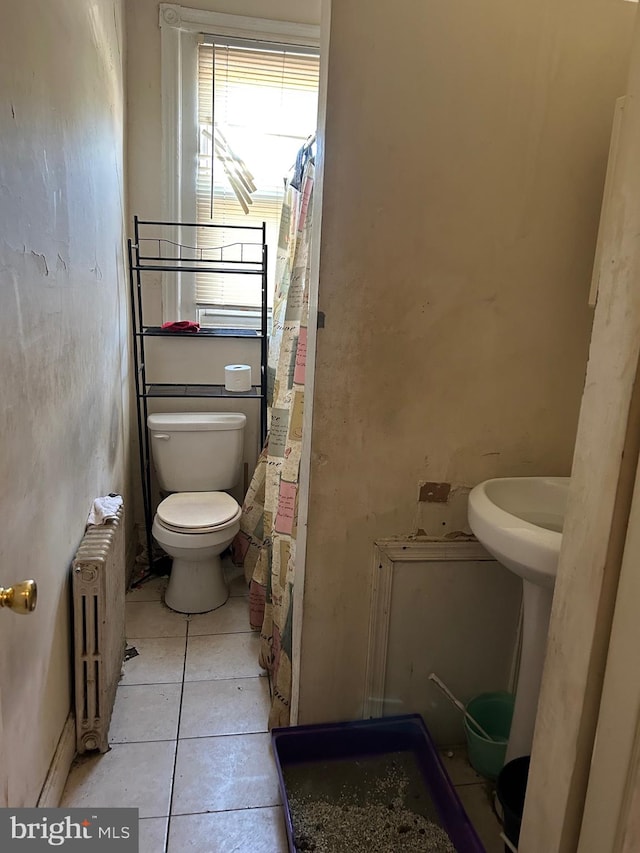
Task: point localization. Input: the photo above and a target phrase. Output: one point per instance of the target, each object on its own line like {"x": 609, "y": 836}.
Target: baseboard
{"x": 53, "y": 787}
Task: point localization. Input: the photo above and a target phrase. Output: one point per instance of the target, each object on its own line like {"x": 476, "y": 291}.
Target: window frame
{"x": 181, "y": 29}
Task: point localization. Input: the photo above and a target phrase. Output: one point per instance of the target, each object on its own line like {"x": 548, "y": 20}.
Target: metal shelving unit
{"x": 160, "y": 254}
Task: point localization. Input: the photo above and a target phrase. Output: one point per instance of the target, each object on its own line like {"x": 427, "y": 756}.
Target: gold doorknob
{"x": 21, "y": 597}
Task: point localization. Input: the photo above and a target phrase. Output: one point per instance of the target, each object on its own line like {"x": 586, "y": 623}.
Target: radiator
{"x": 99, "y": 634}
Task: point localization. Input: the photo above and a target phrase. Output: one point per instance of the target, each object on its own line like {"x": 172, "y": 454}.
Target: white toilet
{"x": 196, "y": 456}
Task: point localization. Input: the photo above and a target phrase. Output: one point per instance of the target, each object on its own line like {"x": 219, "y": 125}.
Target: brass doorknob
{"x": 21, "y": 597}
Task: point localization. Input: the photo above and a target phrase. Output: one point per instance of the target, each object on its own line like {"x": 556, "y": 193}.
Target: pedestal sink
{"x": 519, "y": 521}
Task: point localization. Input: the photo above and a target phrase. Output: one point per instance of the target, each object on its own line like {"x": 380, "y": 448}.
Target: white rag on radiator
{"x": 104, "y": 509}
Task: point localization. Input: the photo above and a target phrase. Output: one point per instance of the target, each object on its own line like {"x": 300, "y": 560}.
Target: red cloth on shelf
{"x": 181, "y": 326}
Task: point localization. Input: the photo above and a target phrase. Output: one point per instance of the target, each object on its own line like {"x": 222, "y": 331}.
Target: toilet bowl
{"x": 180, "y": 527}
{"x": 196, "y": 456}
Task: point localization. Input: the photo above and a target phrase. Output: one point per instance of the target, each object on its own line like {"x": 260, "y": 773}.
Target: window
{"x": 237, "y": 106}
{"x": 256, "y": 106}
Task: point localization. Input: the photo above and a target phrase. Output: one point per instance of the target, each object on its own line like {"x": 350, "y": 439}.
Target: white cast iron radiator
{"x": 99, "y": 638}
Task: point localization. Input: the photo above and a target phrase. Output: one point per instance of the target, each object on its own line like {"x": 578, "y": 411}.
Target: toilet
{"x": 197, "y": 456}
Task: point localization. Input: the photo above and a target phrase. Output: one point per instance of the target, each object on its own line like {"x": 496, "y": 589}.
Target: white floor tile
{"x": 151, "y": 590}
{"x": 247, "y": 831}
{"x": 235, "y": 578}
{"x": 145, "y": 712}
{"x": 232, "y": 617}
{"x": 225, "y": 797}
{"x": 153, "y": 619}
{"x": 457, "y": 766}
{"x": 137, "y": 775}
{"x": 223, "y": 707}
{"x": 153, "y": 834}
{"x": 476, "y": 800}
{"x": 222, "y": 656}
{"x": 160, "y": 660}
{"x": 238, "y": 586}
{"x": 221, "y": 773}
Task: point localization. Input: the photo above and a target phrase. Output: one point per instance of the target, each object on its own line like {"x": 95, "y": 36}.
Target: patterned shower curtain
{"x": 266, "y": 544}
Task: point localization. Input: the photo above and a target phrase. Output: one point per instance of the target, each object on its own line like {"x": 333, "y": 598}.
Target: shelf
{"x": 157, "y": 331}
{"x": 166, "y": 389}
{"x": 152, "y": 250}
{"x": 175, "y": 266}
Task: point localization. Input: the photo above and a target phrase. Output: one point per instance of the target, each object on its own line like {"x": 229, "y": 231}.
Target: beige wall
{"x": 176, "y": 361}
{"x": 466, "y": 148}
{"x": 63, "y": 340}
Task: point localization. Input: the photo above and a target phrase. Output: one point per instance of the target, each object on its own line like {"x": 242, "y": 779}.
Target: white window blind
{"x": 256, "y": 107}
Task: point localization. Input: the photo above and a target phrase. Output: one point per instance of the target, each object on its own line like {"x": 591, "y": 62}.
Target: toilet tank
{"x": 197, "y": 451}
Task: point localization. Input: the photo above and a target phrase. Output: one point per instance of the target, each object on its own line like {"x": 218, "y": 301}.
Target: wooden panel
{"x": 612, "y": 807}
{"x": 603, "y": 262}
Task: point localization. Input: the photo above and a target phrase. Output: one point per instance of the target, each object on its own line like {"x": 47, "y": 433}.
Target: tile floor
{"x": 189, "y": 741}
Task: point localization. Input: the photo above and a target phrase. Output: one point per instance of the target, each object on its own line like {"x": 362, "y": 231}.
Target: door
{"x": 20, "y": 598}
{"x": 4, "y": 779}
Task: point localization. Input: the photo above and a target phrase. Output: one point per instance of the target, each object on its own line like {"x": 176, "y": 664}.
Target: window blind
{"x": 256, "y": 107}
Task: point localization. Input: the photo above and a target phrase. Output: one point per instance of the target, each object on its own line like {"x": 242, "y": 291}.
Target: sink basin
{"x": 519, "y": 521}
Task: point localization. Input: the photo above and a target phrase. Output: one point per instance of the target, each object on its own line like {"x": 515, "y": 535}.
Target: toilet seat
{"x": 197, "y": 512}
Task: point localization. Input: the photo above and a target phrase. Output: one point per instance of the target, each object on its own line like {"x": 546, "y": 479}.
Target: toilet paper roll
{"x": 237, "y": 377}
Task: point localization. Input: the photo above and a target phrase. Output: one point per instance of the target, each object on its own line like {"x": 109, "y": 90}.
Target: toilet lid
{"x": 197, "y": 510}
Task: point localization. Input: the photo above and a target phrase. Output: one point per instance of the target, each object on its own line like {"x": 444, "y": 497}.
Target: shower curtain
{"x": 266, "y": 544}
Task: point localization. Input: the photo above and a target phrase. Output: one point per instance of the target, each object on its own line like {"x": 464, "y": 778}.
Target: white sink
{"x": 519, "y": 521}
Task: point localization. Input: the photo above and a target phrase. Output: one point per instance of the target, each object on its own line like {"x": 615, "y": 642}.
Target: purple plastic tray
{"x": 365, "y": 738}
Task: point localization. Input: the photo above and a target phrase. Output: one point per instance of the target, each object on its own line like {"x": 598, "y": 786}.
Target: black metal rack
{"x": 172, "y": 256}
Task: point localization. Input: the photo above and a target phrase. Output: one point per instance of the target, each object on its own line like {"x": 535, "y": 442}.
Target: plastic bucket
{"x": 511, "y": 790}
{"x": 494, "y": 712}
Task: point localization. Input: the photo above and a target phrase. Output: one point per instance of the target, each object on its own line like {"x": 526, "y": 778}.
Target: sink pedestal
{"x": 536, "y": 606}
{"x": 519, "y": 521}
